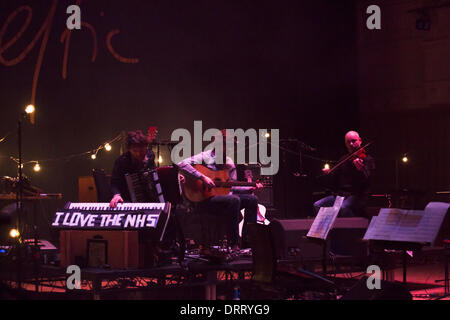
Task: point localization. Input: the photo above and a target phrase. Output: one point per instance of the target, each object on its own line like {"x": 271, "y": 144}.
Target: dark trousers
{"x": 230, "y": 207}
{"x": 353, "y": 205}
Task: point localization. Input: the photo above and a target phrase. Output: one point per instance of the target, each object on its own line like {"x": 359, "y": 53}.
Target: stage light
{"x": 326, "y": 166}
{"x": 37, "y": 167}
{"x": 405, "y": 159}
{"x": 13, "y": 233}
{"x": 29, "y": 109}
{"x": 93, "y": 156}
{"x": 108, "y": 147}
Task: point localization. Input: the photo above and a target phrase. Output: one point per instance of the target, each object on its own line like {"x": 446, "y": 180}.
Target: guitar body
{"x": 195, "y": 190}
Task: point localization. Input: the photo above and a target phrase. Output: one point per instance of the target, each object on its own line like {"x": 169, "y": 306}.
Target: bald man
{"x": 351, "y": 180}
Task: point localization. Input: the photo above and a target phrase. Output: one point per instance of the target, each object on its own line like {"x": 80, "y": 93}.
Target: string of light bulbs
{"x": 93, "y": 154}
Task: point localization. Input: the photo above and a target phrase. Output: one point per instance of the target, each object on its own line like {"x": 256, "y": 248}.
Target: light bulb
{"x": 29, "y": 109}
{"x": 37, "y": 167}
{"x": 108, "y": 147}
{"x": 13, "y": 233}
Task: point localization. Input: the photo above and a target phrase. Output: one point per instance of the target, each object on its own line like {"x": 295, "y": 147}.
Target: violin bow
{"x": 349, "y": 156}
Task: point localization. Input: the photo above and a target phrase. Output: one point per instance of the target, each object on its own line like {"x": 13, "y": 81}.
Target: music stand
{"x": 406, "y": 230}
{"x": 321, "y": 226}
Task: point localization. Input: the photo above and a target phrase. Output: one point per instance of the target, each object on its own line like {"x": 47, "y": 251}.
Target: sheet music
{"x": 435, "y": 215}
{"x": 324, "y": 220}
{"x": 419, "y": 226}
{"x": 338, "y": 203}
{"x": 408, "y": 227}
{"x": 381, "y": 227}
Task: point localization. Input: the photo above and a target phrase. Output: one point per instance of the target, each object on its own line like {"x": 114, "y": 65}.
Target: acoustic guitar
{"x": 195, "y": 189}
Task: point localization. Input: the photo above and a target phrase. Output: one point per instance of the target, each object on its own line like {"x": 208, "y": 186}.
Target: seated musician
{"x": 139, "y": 156}
{"x": 230, "y": 204}
{"x": 351, "y": 180}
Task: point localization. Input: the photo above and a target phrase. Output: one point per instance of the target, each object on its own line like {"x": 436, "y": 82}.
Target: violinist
{"x": 350, "y": 178}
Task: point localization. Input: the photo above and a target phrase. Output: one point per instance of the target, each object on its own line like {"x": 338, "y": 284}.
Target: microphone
{"x": 302, "y": 145}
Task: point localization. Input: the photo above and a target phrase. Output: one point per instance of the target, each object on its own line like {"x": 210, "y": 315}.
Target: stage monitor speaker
{"x": 388, "y": 291}
{"x": 290, "y": 242}
{"x": 345, "y": 238}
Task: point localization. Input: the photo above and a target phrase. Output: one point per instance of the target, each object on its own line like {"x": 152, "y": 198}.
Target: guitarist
{"x": 231, "y": 204}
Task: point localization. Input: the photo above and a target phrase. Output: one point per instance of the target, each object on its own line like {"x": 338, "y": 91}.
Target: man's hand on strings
{"x": 208, "y": 182}
{"x": 359, "y": 164}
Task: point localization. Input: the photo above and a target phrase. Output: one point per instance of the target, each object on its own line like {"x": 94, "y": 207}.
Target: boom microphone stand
{"x": 21, "y": 245}
{"x": 19, "y": 199}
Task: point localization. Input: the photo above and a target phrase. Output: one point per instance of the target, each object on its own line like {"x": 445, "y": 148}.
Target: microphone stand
{"x": 19, "y": 204}
{"x": 22, "y": 249}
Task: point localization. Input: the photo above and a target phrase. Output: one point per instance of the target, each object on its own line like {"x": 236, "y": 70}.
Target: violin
{"x": 358, "y": 154}
{"x": 361, "y": 154}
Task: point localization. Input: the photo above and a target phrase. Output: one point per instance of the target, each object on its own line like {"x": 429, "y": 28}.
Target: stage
{"x": 203, "y": 280}
{"x": 305, "y": 141}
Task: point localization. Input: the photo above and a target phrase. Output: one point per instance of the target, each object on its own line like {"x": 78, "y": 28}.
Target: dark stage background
{"x": 289, "y": 65}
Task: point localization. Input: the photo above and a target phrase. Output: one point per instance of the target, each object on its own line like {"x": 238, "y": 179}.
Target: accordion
{"x": 144, "y": 186}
